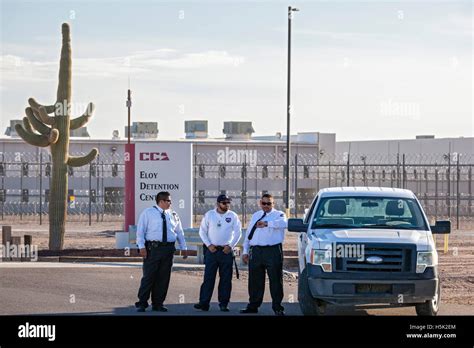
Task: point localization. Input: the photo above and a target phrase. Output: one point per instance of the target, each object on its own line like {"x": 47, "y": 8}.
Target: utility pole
{"x": 288, "y": 112}
{"x": 129, "y": 106}
{"x": 129, "y": 170}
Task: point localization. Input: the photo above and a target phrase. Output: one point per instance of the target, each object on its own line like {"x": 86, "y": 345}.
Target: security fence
{"x": 442, "y": 183}
{"x": 95, "y": 191}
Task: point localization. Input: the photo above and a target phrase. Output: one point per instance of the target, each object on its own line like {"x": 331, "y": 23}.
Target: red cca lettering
{"x": 154, "y": 156}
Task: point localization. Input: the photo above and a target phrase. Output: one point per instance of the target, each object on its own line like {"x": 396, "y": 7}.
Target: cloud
{"x": 337, "y": 35}
{"x": 19, "y": 68}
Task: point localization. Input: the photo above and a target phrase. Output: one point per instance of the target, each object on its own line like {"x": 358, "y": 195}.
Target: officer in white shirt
{"x": 263, "y": 252}
{"x": 220, "y": 232}
{"x": 157, "y": 231}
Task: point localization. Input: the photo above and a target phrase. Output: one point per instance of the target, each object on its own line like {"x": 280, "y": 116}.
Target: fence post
{"x": 103, "y": 192}
{"x": 21, "y": 188}
{"x": 348, "y": 169}
{"x": 364, "y": 171}
{"x": 426, "y": 182}
{"x": 329, "y": 173}
{"x": 256, "y": 181}
{"x": 41, "y": 188}
{"x": 317, "y": 172}
{"x": 449, "y": 184}
{"x": 436, "y": 193}
{"x": 247, "y": 168}
{"x": 243, "y": 193}
{"x": 404, "y": 173}
{"x": 90, "y": 195}
{"x": 3, "y": 183}
{"x": 398, "y": 170}
{"x": 194, "y": 188}
{"x": 295, "y": 214}
{"x": 469, "y": 183}
{"x": 97, "y": 193}
{"x": 458, "y": 174}
{"x": 50, "y": 178}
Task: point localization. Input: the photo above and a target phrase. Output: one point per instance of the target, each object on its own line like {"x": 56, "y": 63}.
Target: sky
{"x": 362, "y": 70}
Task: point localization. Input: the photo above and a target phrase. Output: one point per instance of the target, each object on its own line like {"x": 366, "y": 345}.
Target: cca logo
{"x": 154, "y": 156}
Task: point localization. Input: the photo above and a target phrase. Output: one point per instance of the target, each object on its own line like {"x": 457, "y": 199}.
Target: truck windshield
{"x": 369, "y": 212}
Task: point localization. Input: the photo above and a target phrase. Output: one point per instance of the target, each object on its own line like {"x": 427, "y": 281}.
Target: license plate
{"x": 374, "y": 288}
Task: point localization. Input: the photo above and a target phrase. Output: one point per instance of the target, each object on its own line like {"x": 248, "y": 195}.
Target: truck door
{"x": 303, "y": 237}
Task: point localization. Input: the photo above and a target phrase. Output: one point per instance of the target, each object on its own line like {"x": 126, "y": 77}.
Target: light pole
{"x": 288, "y": 112}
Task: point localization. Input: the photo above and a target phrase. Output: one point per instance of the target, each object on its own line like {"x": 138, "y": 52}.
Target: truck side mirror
{"x": 297, "y": 225}
{"x": 441, "y": 227}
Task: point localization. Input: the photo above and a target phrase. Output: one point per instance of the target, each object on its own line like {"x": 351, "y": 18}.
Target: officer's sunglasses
{"x": 167, "y": 200}
{"x": 267, "y": 203}
{"x": 226, "y": 203}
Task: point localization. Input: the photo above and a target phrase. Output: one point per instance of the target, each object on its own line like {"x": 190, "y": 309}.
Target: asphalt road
{"x": 110, "y": 289}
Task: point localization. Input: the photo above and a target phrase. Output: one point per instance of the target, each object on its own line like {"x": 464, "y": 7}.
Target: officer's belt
{"x": 156, "y": 243}
{"x": 265, "y": 246}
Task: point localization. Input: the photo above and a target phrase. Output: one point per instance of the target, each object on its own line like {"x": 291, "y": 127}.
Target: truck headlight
{"x": 322, "y": 258}
{"x": 426, "y": 259}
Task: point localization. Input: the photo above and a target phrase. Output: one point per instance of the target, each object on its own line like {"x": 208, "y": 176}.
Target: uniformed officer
{"x": 263, "y": 252}
{"x": 157, "y": 230}
{"x": 220, "y": 232}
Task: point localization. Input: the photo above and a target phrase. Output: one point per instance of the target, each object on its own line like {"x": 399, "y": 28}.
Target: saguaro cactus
{"x": 42, "y": 129}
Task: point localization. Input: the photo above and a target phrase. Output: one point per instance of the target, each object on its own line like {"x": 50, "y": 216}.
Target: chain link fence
{"x": 95, "y": 191}
{"x": 442, "y": 183}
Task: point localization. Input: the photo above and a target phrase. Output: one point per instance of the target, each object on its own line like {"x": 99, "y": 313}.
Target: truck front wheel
{"x": 431, "y": 307}
{"x": 308, "y": 304}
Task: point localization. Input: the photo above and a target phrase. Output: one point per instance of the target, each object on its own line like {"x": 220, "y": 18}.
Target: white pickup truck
{"x": 370, "y": 246}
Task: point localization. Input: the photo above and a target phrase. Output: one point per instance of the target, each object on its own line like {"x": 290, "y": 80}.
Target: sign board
{"x": 164, "y": 166}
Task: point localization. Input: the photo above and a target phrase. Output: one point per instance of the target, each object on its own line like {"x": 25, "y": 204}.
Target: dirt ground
{"x": 456, "y": 266}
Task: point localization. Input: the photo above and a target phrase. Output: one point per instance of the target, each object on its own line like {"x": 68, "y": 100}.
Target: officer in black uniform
{"x": 264, "y": 253}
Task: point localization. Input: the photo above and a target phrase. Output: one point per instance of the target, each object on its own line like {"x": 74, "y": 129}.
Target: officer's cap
{"x": 223, "y": 198}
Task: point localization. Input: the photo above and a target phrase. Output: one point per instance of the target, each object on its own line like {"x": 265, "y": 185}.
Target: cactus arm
{"x": 27, "y": 126}
{"x": 31, "y": 138}
{"x": 35, "y": 105}
{"x": 79, "y": 161}
{"x": 53, "y": 136}
{"x": 44, "y": 117}
{"x": 81, "y": 121}
{"x": 35, "y": 123}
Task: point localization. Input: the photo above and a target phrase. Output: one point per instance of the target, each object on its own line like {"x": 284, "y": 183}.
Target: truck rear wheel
{"x": 431, "y": 307}
{"x": 308, "y": 304}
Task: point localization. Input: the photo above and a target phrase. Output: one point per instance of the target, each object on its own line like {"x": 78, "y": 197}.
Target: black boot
{"x": 201, "y": 307}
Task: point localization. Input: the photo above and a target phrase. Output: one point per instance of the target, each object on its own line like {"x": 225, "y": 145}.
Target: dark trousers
{"x": 267, "y": 259}
{"x": 214, "y": 262}
{"x": 156, "y": 275}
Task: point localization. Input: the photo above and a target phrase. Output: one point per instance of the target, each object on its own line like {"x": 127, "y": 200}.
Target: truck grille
{"x": 395, "y": 258}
